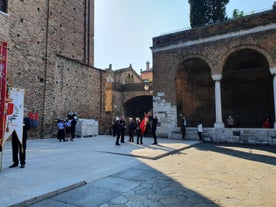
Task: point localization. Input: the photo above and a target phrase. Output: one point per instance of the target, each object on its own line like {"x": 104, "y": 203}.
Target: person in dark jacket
{"x": 138, "y": 131}
{"x": 153, "y": 128}
{"x": 114, "y": 127}
{"x": 131, "y": 129}
{"x": 20, "y": 147}
{"x": 118, "y": 130}
{"x": 73, "y": 127}
{"x": 123, "y": 129}
{"x": 183, "y": 127}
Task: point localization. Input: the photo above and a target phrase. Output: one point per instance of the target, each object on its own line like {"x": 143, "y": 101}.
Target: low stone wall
{"x": 232, "y": 135}
{"x": 241, "y": 135}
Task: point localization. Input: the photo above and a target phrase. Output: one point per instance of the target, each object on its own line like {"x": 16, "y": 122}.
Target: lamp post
{"x": 146, "y": 86}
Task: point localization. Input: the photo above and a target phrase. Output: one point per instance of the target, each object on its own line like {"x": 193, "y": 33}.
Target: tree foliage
{"x": 204, "y": 12}
{"x": 237, "y": 14}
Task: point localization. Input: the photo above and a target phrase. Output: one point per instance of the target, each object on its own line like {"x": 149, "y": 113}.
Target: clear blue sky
{"x": 124, "y": 28}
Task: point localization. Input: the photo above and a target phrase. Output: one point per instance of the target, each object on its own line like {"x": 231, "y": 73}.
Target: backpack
{"x": 27, "y": 123}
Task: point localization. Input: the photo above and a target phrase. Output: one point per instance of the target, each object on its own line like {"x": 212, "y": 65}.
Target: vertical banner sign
{"x": 3, "y": 88}
{"x": 14, "y": 113}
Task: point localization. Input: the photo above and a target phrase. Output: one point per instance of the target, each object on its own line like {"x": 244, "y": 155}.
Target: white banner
{"x": 14, "y": 121}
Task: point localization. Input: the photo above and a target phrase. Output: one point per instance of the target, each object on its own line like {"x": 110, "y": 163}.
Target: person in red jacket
{"x": 266, "y": 123}
{"x": 143, "y": 124}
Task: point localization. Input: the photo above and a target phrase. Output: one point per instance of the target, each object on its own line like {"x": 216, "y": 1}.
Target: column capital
{"x": 272, "y": 71}
{"x": 216, "y": 77}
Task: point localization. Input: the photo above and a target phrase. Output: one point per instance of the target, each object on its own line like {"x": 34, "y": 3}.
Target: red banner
{"x": 3, "y": 86}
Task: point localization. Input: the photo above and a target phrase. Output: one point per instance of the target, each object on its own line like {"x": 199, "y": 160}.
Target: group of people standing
{"x": 66, "y": 128}
{"x": 119, "y": 127}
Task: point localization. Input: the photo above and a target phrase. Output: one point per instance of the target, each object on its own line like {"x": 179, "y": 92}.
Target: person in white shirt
{"x": 199, "y": 129}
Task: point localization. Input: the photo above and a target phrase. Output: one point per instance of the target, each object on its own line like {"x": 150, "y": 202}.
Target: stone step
{"x": 191, "y": 133}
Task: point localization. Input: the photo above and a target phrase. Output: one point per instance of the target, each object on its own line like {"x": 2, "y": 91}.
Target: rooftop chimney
{"x": 147, "y": 65}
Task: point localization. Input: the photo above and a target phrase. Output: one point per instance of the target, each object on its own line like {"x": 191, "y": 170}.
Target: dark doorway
{"x": 247, "y": 89}
{"x": 195, "y": 93}
{"x": 136, "y": 107}
{"x": 4, "y": 6}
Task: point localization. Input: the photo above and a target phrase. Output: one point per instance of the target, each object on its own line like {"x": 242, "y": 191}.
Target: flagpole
{"x": 3, "y": 91}
{"x": 1, "y": 159}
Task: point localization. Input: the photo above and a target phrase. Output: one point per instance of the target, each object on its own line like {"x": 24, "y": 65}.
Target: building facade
{"x": 51, "y": 56}
{"x": 147, "y": 73}
{"x": 216, "y": 71}
{"x": 126, "y": 94}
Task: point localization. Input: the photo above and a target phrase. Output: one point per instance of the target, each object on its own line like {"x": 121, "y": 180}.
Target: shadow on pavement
{"x": 137, "y": 186}
{"x": 106, "y": 179}
{"x": 258, "y": 153}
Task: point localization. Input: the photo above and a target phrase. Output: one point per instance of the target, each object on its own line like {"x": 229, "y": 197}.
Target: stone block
{"x": 87, "y": 128}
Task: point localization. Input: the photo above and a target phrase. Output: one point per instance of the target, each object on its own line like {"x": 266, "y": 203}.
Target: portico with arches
{"x": 216, "y": 71}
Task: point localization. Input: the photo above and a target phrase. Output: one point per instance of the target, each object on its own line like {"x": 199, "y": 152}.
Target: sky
{"x": 124, "y": 28}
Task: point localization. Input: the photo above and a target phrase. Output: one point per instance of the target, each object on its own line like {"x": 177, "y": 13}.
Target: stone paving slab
{"x": 149, "y": 151}
{"x": 205, "y": 175}
{"x": 53, "y": 166}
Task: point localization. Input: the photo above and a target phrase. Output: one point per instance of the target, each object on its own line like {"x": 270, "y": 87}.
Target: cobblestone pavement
{"x": 203, "y": 175}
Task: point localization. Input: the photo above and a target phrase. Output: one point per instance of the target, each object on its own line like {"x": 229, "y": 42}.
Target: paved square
{"x": 175, "y": 173}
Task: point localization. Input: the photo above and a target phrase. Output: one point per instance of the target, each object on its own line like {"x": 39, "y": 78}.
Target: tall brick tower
{"x": 51, "y": 56}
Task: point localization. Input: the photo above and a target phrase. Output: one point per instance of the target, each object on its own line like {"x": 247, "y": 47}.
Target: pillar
{"x": 219, "y": 123}
{"x": 273, "y": 72}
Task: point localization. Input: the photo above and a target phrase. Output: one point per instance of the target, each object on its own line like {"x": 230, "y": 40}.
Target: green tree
{"x": 197, "y": 12}
{"x": 237, "y": 14}
{"x": 207, "y": 12}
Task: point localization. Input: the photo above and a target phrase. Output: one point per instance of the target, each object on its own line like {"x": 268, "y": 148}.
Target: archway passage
{"x": 247, "y": 89}
{"x": 195, "y": 92}
{"x": 136, "y": 107}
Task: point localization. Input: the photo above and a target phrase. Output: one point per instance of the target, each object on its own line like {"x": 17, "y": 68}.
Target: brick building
{"x": 51, "y": 56}
{"x": 126, "y": 94}
{"x": 215, "y": 71}
{"x": 147, "y": 73}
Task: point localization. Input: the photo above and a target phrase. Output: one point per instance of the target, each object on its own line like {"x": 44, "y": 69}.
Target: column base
{"x": 219, "y": 125}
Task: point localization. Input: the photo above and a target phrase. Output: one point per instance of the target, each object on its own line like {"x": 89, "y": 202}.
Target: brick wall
{"x": 188, "y": 54}
{"x": 51, "y": 56}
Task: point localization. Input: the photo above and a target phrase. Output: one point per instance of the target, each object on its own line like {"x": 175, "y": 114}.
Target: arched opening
{"x": 4, "y": 6}
{"x": 246, "y": 88}
{"x": 195, "y": 92}
{"x": 137, "y": 106}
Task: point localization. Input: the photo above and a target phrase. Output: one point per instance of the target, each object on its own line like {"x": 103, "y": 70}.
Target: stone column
{"x": 273, "y": 72}
{"x": 219, "y": 123}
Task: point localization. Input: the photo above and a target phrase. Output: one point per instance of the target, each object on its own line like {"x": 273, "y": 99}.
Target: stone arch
{"x": 136, "y": 106}
{"x": 244, "y": 46}
{"x": 247, "y": 86}
{"x": 195, "y": 91}
{"x": 198, "y": 56}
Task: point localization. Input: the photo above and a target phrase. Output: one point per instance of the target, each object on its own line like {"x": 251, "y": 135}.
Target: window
{"x": 4, "y": 6}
